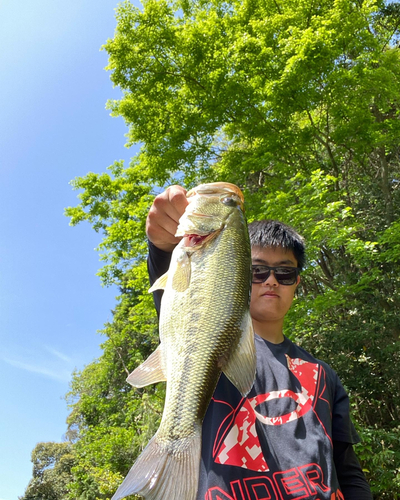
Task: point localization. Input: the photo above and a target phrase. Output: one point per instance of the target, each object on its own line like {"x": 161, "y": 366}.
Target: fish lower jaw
{"x": 193, "y": 240}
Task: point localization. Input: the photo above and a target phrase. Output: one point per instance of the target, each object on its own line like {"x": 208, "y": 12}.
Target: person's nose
{"x": 271, "y": 280}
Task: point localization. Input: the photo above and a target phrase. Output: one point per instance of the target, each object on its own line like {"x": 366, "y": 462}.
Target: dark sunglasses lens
{"x": 283, "y": 275}
{"x": 286, "y": 275}
{"x": 260, "y": 276}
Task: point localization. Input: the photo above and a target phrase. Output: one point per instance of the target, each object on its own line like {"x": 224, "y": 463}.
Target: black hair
{"x": 273, "y": 233}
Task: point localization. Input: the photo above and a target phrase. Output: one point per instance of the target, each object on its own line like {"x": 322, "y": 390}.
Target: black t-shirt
{"x": 290, "y": 438}
{"x": 278, "y": 441}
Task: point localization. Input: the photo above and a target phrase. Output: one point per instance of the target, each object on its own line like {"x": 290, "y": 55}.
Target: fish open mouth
{"x": 197, "y": 240}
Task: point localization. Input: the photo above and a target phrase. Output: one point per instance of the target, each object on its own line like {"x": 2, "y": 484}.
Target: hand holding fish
{"x": 163, "y": 218}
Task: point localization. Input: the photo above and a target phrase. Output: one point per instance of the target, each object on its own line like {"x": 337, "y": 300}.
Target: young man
{"x": 291, "y": 437}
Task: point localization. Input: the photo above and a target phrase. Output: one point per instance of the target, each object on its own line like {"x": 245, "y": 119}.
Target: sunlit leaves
{"x": 297, "y": 102}
{"x": 52, "y": 464}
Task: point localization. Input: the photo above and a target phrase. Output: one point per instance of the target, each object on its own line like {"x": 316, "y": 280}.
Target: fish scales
{"x": 194, "y": 339}
{"x": 205, "y": 328}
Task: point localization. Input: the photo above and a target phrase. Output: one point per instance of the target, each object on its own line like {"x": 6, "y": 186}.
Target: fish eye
{"x": 229, "y": 201}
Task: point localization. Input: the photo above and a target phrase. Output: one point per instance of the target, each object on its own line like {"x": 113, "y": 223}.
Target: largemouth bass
{"x": 205, "y": 328}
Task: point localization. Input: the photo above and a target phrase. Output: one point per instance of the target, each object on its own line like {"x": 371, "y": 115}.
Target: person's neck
{"x": 271, "y": 331}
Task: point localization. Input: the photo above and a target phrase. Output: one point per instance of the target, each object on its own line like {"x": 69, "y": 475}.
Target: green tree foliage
{"x": 298, "y": 104}
{"x": 52, "y": 463}
{"x": 111, "y": 422}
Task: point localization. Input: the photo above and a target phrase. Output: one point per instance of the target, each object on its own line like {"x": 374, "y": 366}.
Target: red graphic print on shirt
{"x": 237, "y": 442}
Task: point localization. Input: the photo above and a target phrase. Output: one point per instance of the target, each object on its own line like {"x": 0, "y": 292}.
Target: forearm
{"x": 351, "y": 478}
{"x": 157, "y": 265}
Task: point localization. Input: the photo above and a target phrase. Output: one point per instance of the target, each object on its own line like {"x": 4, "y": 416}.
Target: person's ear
{"x": 297, "y": 284}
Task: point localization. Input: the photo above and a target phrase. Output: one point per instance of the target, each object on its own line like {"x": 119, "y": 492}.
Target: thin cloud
{"x": 49, "y": 362}
{"x": 61, "y": 376}
{"x": 58, "y": 354}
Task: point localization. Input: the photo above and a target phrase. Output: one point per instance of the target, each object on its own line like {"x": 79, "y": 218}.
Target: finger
{"x": 168, "y": 207}
{"x": 160, "y": 225}
{"x": 161, "y": 237}
{"x": 163, "y": 217}
{"x": 177, "y": 201}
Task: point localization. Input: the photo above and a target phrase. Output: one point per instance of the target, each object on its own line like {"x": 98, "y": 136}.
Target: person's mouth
{"x": 270, "y": 294}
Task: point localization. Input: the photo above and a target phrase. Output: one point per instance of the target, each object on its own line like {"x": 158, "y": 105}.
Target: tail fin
{"x": 161, "y": 473}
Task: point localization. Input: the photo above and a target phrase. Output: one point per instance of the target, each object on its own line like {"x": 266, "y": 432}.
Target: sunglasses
{"x": 283, "y": 275}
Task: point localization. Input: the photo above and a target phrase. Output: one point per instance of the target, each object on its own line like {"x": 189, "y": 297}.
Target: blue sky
{"x": 53, "y": 127}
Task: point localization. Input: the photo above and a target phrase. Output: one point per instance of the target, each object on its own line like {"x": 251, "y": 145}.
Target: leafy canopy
{"x": 297, "y": 102}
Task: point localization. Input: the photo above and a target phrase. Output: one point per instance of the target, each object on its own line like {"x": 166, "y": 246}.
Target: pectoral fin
{"x": 241, "y": 366}
{"x": 149, "y": 372}
{"x": 182, "y": 273}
